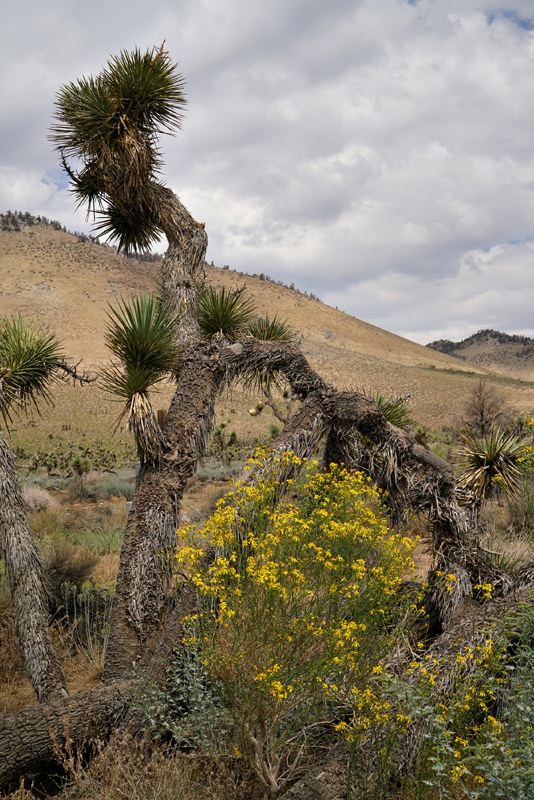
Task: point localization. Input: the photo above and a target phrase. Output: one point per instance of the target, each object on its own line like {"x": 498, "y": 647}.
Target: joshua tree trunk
{"x": 26, "y": 582}
{"x": 182, "y": 271}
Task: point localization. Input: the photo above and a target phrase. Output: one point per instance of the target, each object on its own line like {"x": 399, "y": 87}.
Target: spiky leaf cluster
{"x": 142, "y": 335}
{"x": 110, "y": 123}
{"x": 395, "y": 409}
{"x": 30, "y": 357}
{"x": 270, "y": 330}
{"x": 224, "y": 313}
{"x": 489, "y": 462}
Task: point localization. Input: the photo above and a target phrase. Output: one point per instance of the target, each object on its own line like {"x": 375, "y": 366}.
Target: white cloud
{"x": 377, "y": 154}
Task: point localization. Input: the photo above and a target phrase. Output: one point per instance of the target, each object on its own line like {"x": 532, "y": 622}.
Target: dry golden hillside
{"x": 67, "y": 284}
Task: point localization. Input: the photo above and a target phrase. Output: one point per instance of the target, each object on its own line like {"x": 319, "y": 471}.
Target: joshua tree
{"x": 30, "y": 359}
{"x": 110, "y": 123}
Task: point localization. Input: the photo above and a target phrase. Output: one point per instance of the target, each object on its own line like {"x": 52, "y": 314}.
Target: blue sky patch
{"x": 526, "y": 23}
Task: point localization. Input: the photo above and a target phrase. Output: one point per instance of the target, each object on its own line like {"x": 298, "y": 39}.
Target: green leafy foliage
{"x": 187, "y": 708}
{"x": 490, "y": 462}
{"x": 30, "y": 357}
{"x": 224, "y": 313}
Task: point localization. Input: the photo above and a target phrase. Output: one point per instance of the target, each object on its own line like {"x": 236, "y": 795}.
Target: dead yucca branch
{"x": 143, "y": 424}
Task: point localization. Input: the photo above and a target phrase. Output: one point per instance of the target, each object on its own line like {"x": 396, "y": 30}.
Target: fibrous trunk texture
{"x": 182, "y": 271}
{"x": 33, "y": 739}
{"x": 25, "y": 577}
{"x": 143, "y": 582}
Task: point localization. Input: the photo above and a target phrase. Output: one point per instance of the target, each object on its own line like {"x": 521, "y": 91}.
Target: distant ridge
{"x": 505, "y": 353}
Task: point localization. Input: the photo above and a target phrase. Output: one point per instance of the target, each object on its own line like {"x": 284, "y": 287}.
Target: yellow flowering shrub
{"x": 297, "y": 607}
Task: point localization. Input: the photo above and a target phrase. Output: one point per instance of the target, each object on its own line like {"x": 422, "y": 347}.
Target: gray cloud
{"x": 377, "y": 154}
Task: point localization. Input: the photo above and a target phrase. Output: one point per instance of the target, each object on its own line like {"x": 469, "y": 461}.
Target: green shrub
{"x": 187, "y": 708}
{"x": 296, "y": 611}
{"x": 66, "y": 563}
{"x": 113, "y": 486}
{"x": 471, "y": 751}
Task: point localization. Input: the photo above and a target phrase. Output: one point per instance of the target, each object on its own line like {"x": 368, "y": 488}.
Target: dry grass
{"x": 13, "y": 681}
{"x": 139, "y": 770}
{"x": 38, "y": 499}
{"x": 65, "y": 535}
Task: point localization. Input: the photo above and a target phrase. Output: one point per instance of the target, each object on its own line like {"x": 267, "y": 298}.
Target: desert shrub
{"x": 485, "y": 409}
{"x": 112, "y": 486}
{"x": 102, "y": 539}
{"x": 467, "y": 736}
{"x": 76, "y": 524}
{"x": 521, "y": 504}
{"x": 38, "y": 499}
{"x": 478, "y": 738}
{"x": 187, "y": 708}
{"x": 274, "y": 430}
{"x": 85, "y": 622}
{"x": 66, "y": 564}
{"x": 212, "y": 470}
{"x": 297, "y": 609}
{"x": 440, "y": 450}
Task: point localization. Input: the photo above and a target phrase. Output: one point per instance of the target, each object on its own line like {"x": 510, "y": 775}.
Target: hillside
{"x": 503, "y": 353}
{"x": 66, "y": 281}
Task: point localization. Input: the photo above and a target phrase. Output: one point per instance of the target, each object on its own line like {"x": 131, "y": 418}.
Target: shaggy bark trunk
{"x": 182, "y": 271}
{"x": 33, "y": 739}
{"x": 25, "y": 577}
{"x": 144, "y": 581}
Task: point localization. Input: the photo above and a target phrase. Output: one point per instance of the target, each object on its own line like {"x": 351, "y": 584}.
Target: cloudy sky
{"x": 379, "y": 153}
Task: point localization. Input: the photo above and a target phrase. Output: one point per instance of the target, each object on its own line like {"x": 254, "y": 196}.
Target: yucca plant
{"x": 224, "y": 313}
{"x": 107, "y": 130}
{"x": 30, "y": 357}
{"x": 263, "y": 380}
{"x": 271, "y": 330}
{"x": 142, "y": 335}
{"x": 110, "y": 123}
{"x": 490, "y": 463}
{"x": 395, "y": 409}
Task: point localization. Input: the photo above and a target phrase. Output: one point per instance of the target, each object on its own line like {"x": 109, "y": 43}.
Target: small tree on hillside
{"x": 486, "y": 409}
